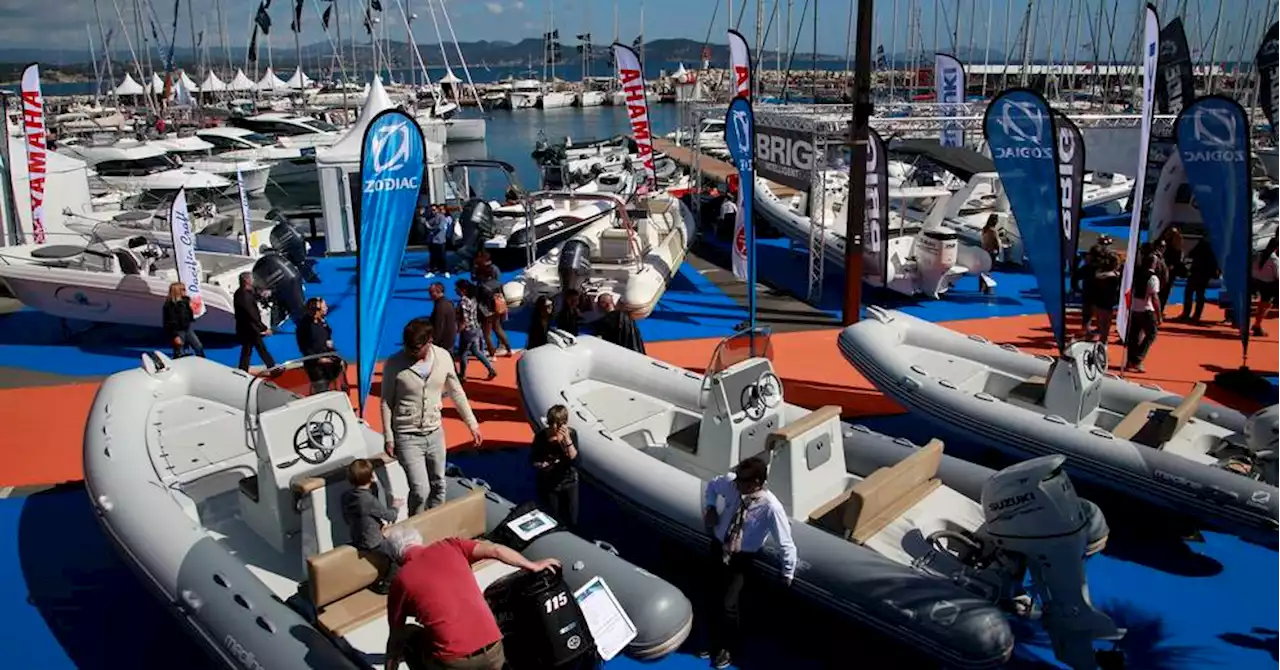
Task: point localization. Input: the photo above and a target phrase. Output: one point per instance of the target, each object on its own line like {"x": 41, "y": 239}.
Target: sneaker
{"x": 722, "y": 660}
{"x": 705, "y": 653}
{"x": 1259, "y": 332}
{"x": 429, "y": 275}
{"x": 492, "y": 374}
{"x": 447, "y": 275}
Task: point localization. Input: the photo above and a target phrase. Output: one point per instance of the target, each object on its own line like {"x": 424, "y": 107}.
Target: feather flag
{"x": 263, "y": 19}
{"x": 296, "y": 25}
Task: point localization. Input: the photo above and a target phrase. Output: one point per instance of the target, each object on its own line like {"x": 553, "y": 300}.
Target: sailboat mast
{"x": 97, "y": 73}
{"x": 551, "y": 48}
{"x": 758, "y": 81}
{"x": 106, "y": 48}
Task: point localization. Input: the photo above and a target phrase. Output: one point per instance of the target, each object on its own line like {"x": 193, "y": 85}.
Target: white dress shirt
{"x": 728, "y": 208}
{"x": 766, "y": 518}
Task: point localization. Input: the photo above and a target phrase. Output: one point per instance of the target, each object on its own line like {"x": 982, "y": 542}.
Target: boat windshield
{"x": 742, "y": 345}
{"x": 286, "y": 382}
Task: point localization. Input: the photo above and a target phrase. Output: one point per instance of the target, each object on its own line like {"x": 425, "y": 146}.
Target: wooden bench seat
{"x": 1153, "y": 424}
{"x": 873, "y": 503}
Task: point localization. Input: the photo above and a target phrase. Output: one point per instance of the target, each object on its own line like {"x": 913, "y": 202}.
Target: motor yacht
{"x": 290, "y": 130}
{"x": 198, "y": 154}
{"x": 131, "y": 165}
{"x": 290, "y": 166}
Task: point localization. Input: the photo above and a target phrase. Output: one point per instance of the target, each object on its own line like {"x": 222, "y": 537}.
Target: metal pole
{"x": 856, "y": 213}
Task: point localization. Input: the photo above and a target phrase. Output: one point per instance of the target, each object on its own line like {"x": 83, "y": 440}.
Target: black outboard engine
{"x": 478, "y": 225}
{"x": 575, "y": 263}
{"x": 543, "y": 627}
{"x": 278, "y": 282}
{"x": 286, "y": 241}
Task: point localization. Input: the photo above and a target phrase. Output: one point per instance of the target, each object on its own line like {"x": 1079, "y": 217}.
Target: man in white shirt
{"x": 729, "y": 215}
{"x": 751, "y": 515}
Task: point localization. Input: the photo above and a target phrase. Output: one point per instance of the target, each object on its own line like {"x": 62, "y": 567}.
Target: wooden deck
{"x": 713, "y": 169}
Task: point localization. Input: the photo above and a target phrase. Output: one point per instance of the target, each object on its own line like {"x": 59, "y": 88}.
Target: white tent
{"x": 241, "y": 83}
{"x": 188, "y": 83}
{"x": 212, "y": 83}
{"x": 129, "y": 86}
{"x": 270, "y": 82}
{"x": 156, "y": 85}
{"x": 299, "y": 79}
{"x": 450, "y": 78}
{"x": 339, "y": 167}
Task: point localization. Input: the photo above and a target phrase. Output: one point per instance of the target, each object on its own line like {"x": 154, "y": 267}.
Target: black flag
{"x": 638, "y": 41}
{"x": 324, "y": 18}
{"x": 375, "y": 5}
{"x": 296, "y": 26}
{"x": 253, "y": 47}
{"x": 1070, "y": 145}
{"x": 1266, "y": 63}
{"x": 881, "y": 61}
{"x": 1175, "y": 80}
{"x": 263, "y": 19}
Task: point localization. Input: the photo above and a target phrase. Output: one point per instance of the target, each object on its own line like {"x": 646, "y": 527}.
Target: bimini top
{"x": 959, "y": 161}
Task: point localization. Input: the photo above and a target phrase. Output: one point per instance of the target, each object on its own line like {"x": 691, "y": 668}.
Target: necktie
{"x": 733, "y": 536}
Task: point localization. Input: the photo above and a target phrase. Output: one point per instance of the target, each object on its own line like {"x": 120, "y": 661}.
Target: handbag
{"x": 499, "y": 304}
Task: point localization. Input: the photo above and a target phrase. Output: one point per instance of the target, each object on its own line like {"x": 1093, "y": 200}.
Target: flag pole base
{"x": 1247, "y": 384}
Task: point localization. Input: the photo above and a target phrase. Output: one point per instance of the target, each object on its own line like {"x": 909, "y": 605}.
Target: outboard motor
{"x": 1256, "y": 457}
{"x": 477, "y": 224}
{"x": 1035, "y": 519}
{"x": 277, "y": 280}
{"x": 575, "y": 263}
{"x": 935, "y": 251}
{"x": 286, "y": 241}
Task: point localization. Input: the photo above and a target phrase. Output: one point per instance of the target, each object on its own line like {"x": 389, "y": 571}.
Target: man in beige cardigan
{"x": 414, "y": 380}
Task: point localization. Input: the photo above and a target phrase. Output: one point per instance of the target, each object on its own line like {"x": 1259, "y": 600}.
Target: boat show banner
{"x": 1213, "y": 141}
{"x": 631, "y": 75}
{"x": 250, "y": 248}
{"x": 392, "y": 161}
{"x": 739, "y": 136}
{"x": 1150, "y": 48}
{"x": 12, "y": 233}
{"x": 1019, "y": 129}
{"x": 1175, "y": 87}
{"x": 875, "y": 227}
{"x": 1070, "y": 155}
{"x": 1267, "y": 62}
{"x": 948, "y": 89}
{"x": 37, "y": 148}
{"x": 786, "y": 156}
{"x": 184, "y": 251}
{"x": 740, "y": 63}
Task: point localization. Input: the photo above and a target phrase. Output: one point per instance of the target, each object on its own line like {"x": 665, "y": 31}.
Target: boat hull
{"x": 465, "y": 130}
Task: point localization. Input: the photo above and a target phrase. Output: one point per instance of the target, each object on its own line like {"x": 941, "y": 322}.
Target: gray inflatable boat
{"x": 1195, "y": 458}
{"x": 925, "y": 548}
{"x": 222, "y": 490}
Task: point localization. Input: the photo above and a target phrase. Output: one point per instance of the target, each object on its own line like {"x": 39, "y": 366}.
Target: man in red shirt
{"x": 456, "y": 629}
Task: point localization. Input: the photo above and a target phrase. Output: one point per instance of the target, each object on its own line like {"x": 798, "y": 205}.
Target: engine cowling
{"x": 575, "y": 263}
{"x": 279, "y": 280}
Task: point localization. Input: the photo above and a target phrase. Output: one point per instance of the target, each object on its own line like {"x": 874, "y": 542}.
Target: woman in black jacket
{"x": 179, "y": 321}
{"x": 540, "y": 321}
{"x": 554, "y": 454}
{"x": 315, "y": 340}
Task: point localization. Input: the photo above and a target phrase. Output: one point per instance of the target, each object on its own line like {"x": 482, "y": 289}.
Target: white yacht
{"x": 290, "y": 166}
{"x": 130, "y": 165}
{"x": 524, "y": 94}
{"x": 290, "y": 130}
{"x": 557, "y": 99}
{"x": 198, "y": 154}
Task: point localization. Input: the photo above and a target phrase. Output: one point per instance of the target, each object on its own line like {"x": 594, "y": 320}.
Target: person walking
{"x": 250, "y": 330}
{"x": 470, "y": 340}
{"x": 179, "y": 321}
{"x": 728, "y": 217}
{"x": 315, "y": 342}
{"x": 438, "y": 229}
{"x": 1203, "y": 270}
{"x": 444, "y": 319}
{"x": 1169, "y": 246}
{"x": 1105, "y": 294}
{"x": 616, "y": 326}
{"x": 991, "y": 245}
{"x": 491, "y": 303}
{"x": 751, "y": 515}
{"x": 414, "y": 380}
{"x": 554, "y": 454}
{"x": 1264, "y": 276}
{"x": 1145, "y": 313}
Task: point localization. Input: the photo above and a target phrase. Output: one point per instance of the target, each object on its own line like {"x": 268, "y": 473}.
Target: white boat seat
{"x": 339, "y": 578}
{"x": 1153, "y": 424}
{"x": 875, "y": 502}
{"x": 615, "y": 245}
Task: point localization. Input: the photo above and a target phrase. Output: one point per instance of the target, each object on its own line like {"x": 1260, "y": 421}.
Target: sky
{"x": 28, "y": 23}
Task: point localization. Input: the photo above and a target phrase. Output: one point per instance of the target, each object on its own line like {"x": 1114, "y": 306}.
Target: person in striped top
{"x": 470, "y": 338}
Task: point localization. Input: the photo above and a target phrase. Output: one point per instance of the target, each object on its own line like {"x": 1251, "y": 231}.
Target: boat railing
{"x": 615, "y": 201}
{"x": 277, "y": 386}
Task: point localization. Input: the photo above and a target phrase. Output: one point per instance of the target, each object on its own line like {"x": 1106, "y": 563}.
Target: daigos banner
{"x": 631, "y": 76}
{"x": 1070, "y": 154}
{"x": 740, "y": 63}
{"x": 949, "y": 88}
{"x": 1213, "y": 141}
{"x": 1019, "y": 128}
{"x": 1150, "y": 46}
{"x": 875, "y": 227}
{"x": 1267, "y": 63}
{"x": 392, "y": 162}
{"x": 739, "y": 127}
{"x": 786, "y": 156}
{"x": 184, "y": 251}
{"x": 37, "y": 148}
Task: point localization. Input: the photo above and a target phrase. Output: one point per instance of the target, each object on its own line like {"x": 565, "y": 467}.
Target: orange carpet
{"x": 813, "y": 371}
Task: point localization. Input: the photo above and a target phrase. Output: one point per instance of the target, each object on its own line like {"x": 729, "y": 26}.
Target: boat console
{"x": 1074, "y": 388}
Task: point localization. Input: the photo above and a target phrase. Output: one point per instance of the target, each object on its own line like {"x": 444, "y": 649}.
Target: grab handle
{"x": 607, "y": 547}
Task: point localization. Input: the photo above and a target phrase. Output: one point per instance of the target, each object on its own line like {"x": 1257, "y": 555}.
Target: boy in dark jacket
{"x": 366, "y": 515}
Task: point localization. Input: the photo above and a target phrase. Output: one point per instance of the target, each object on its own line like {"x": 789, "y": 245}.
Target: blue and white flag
{"x": 740, "y": 136}
{"x": 1213, "y": 142}
{"x": 1020, "y": 130}
{"x": 949, "y": 90}
{"x": 391, "y": 166}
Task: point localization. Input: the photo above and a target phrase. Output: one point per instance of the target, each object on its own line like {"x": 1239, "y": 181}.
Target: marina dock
{"x": 713, "y": 170}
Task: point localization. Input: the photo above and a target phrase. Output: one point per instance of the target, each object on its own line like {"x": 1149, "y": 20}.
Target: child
{"x": 366, "y": 515}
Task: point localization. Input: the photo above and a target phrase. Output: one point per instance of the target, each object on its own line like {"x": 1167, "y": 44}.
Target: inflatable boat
{"x": 922, "y": 547}
{"x": 1195, "y": 458}
{"x": 631, "y": 254}
{"x": 222, "y": 490}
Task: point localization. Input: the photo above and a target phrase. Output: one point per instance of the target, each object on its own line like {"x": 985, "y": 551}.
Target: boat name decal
{"x": 1200, "y": 490}
{"x": 244, "y": 656}
{"x": 1012, "y": 501}
{"x": 76, "y": 297}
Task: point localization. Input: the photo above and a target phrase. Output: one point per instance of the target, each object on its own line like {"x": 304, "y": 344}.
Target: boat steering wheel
{"x": 321, "y": 435}
{"x": 764, "y": 394}
{"x": 1095, "y": 361}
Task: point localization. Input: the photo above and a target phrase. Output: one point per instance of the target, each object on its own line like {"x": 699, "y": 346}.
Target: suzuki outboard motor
{"x": 277, "y": 280}
{"x": 286, "y": 240}
{"x": 477, "y": 224}
{"x": 575, "y": 263}
{"x": 1256, "y": 456}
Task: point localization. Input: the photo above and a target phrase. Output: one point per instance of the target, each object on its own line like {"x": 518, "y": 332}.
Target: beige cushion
{"x": 339, "y": 578}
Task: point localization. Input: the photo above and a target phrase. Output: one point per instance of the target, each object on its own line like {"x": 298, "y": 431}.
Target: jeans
{"x": 472, "y": 344}
{"x": 436, "y": 258}
{"x": 246, "y": 350}
{"x": 189, "y": 340}
{"x": 1142, "y": 332}
{"x": 1196, "y": 287}
{"x": 725, "y": 633}
{"x": 561, "y": 502}
{"x": 422, "y": 457}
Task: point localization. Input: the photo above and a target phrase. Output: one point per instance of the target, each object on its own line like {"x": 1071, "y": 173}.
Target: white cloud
{"x": 493, "y": 7}
{"x": 517, "y": 5}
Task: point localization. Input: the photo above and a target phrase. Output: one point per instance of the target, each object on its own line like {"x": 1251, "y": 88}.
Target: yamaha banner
{"x": 1175, "y": 79}
{"x": 740, "y": 63}
{"x": 1070, "y": 154}
{"x": 631, "y": 76}
{"x": 1019, "y": 129}
{"x": 1150, "y": 46}
{"x": 949, "y": 88}
{"x": 875, "y": 227}
{"x": 392, "y": 161}
{"x": 739, "y": 136}
{"x": 1213, "y": 141}
{"x": 1267, "y": 63}
{"x": 37, "y": 146}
